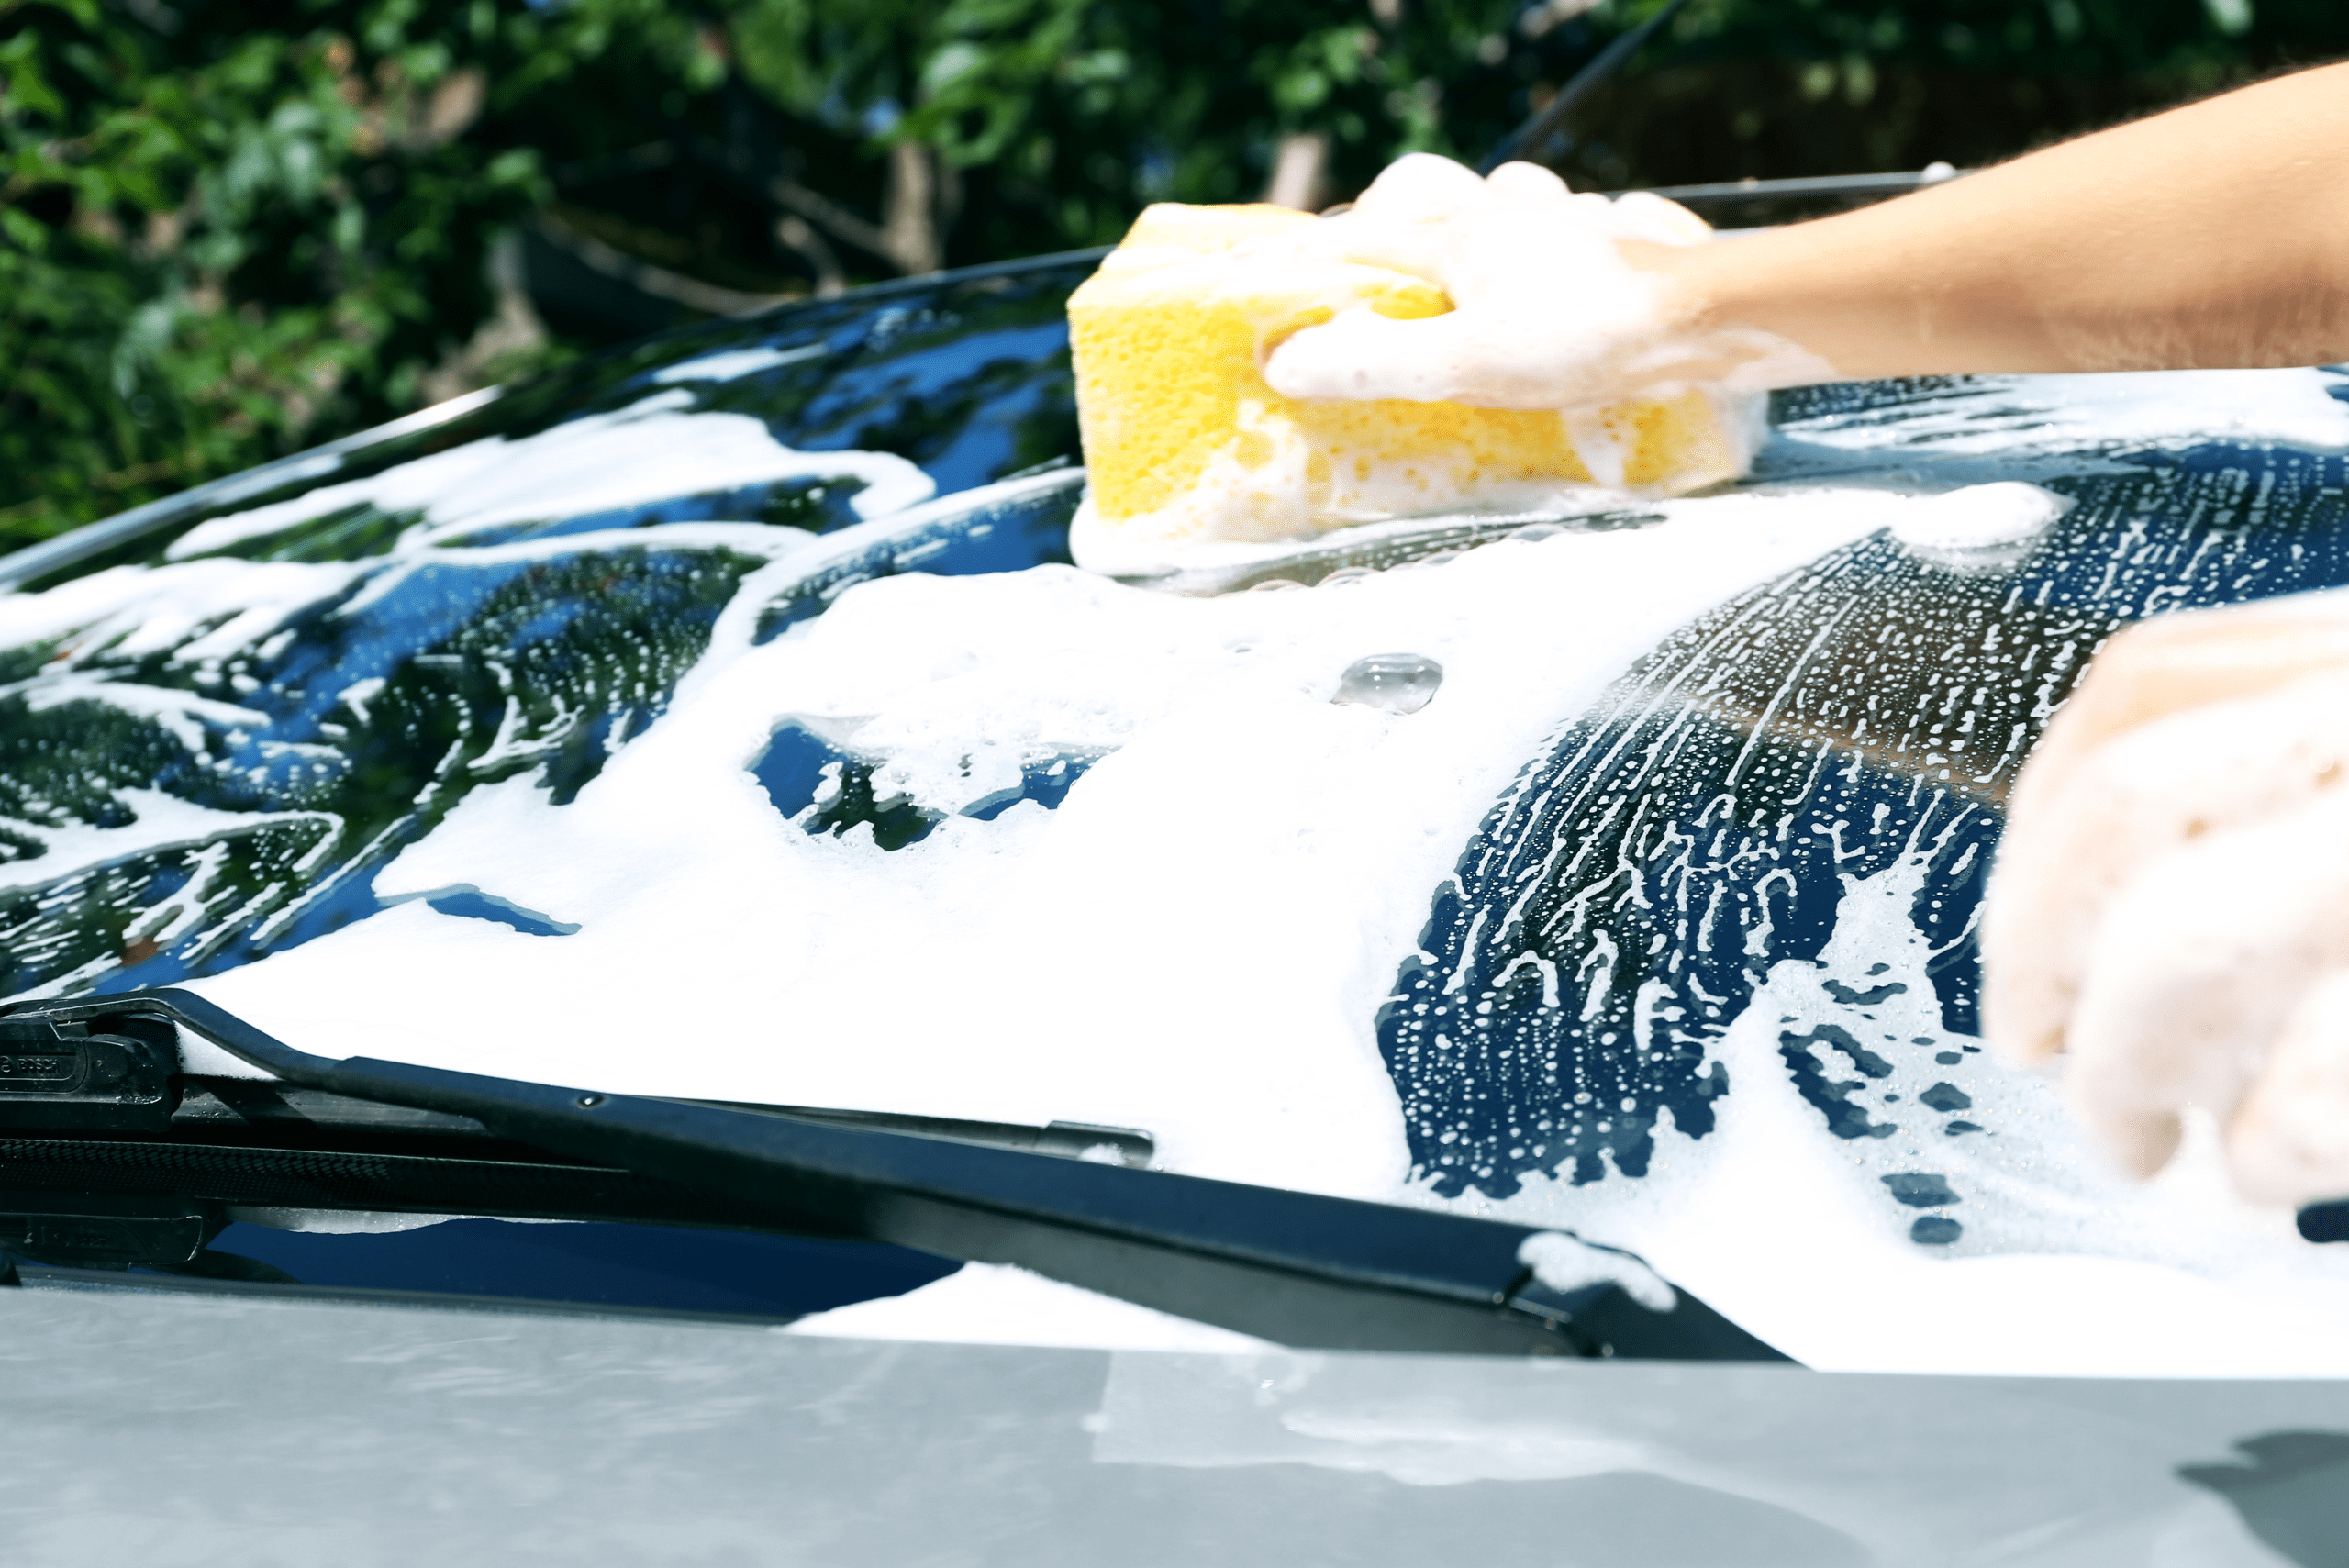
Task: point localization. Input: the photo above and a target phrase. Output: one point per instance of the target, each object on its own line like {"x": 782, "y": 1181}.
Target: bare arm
{"x": 2212, "y": 235}
{"x": 2215, "y": 235}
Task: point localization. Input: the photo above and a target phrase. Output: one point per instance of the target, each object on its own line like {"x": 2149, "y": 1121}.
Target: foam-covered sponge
{"x": 1184, "y": 444}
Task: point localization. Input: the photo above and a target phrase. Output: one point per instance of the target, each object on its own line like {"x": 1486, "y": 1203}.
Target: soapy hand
{"x": 1551, "y": 309}
{"x": 2170, "y": 907}
{"x": 2206, "y": 237}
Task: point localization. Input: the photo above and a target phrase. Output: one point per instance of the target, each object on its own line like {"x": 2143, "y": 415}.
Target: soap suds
{"x": 157, "y": 821}
{"x": 1566, "y": 1264}
{"x": 1197, "y": 940}
{"x": 1979, "y": 516}
{"x": 2120, "y": 410}
{"x": 2061, "y": 1266}
{"x": 732, "y": 364}
{"x": 342, "y": 1221}
{"x": 1245, "y": 866}
{"x": 207, "y": 608}
{"x": 991, "y": 1304}
{"x": 651, "y": 450}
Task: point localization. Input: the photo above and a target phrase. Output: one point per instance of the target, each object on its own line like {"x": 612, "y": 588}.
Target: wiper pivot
{"x": 56, "y": 1073}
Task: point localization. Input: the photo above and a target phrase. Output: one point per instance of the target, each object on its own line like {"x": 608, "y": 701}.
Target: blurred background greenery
{"x": 230, "y": 228}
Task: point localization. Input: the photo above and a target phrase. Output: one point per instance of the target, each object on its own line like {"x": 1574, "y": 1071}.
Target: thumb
{"x": 1362, "y": 354}
{"x": 1422, "y": 250}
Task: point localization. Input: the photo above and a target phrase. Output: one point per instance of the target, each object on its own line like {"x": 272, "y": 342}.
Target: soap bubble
{"x": 1395, "y": 682}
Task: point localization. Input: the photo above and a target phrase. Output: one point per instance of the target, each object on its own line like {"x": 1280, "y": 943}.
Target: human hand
{"x": 1560, "y": 301}
{"x": 2170, "y": 905}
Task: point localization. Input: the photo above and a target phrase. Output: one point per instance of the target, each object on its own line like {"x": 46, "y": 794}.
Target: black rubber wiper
{"x": 1296, "y": 1268}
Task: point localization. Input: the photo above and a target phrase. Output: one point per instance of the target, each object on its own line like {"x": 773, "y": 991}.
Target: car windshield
{"x": 724, "y": 719}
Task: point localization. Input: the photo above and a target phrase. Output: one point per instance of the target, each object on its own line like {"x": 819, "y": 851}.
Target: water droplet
{"x": 1346, "y": 574}
{"x": 1534, "y": 533}
{"x": 1396, "y": 682}
{"x": 1275, "y": 585}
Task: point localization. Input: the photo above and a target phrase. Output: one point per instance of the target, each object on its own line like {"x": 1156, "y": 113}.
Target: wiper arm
{"x": 1297, "y": 1268}
{"x": 250, "y": 1103}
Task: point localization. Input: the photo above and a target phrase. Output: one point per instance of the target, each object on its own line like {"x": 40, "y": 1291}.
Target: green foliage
{"x": 228, "y": 231}
{"x": 219, "y": 239}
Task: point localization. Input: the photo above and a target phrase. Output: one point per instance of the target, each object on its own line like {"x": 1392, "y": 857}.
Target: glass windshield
{"x": 724, "y": 719}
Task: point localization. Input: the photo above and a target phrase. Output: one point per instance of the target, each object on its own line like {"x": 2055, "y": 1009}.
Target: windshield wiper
{"x": 1297, "y": 1268}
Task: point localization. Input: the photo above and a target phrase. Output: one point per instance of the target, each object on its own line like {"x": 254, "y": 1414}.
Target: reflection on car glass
{"x": 443, "y": 1261}
{"x": 1709, "y": 952}
{"x": 772, "y": 1278}
{"x": 2291, "y": 1489}
{"x": 829, "y": 788}
{"x": 1856, "y": 722}
{"x": 1859, "y": 719}
{"x": 217, "y": 740}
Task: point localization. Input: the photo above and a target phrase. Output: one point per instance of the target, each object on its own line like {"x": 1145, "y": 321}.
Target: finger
{"x": 1361, "y": 354}
{"x": 1413, "y": 218}
{"x": 2289, "y": 1142}
{"x": 1472, "y": 357}
{"x": 1644, "y": 215}
{"x": 2174, "y": 662}
{"x": 1360, "y": 238}
{"x": 1521, "y": 182}
{"x": 2195, "y": 970}
{"x": 1422, "y": 187}
{"x": 2122, "y": 804}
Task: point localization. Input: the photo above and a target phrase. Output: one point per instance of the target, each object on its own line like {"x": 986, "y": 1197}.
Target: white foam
{"x": 990, "y": 1304}
{"x": 744, "y": 538}
{"x": 732, "y": 364}
{"x": 341, "y": 1222}
{"x": 1979, "y": 516}
{"x": 2064, "y": 1268}
{"x": 1567, "y": 1263}
{"x": 651, "y": 450}
{"x": 184, "y": 714}
{"x": 210, "y": 608}
{"x": 159, "y": 821}
{"x": 2016, "y": 414}
{"x": 1196, "y": 942}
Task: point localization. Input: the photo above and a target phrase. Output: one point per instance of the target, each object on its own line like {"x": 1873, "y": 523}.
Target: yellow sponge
{"x": 1185, "y": 443}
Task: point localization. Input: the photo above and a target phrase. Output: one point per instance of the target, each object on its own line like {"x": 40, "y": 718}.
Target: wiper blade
{"x": 268, "y": 1103}
{"x": 1297, "y": 1268}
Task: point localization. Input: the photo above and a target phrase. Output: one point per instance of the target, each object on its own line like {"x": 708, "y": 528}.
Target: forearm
{"x": 2214, "y": 234}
